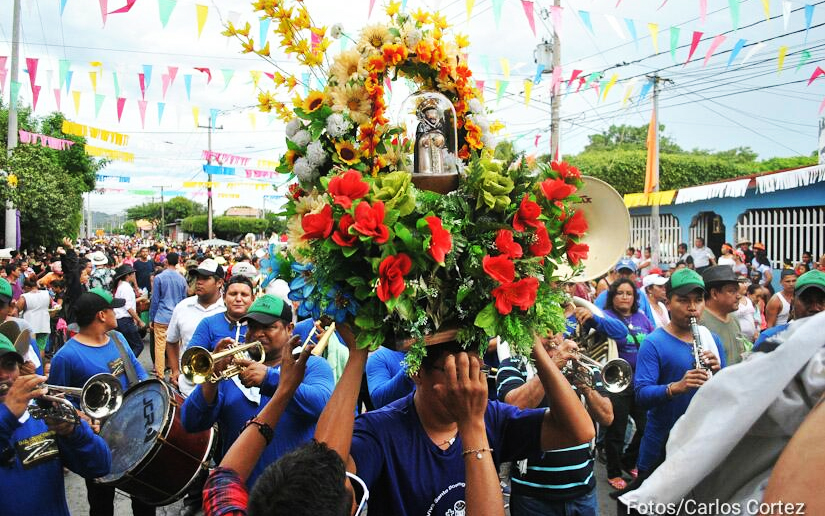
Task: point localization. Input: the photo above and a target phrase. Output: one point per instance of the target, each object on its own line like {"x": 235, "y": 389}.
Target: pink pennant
{"x": 207, "y": 72}
{"x": 125, "y": 8}
{"x": 121, "y": 101}
{"x": 388, "y": 82}
{"x": 173, "y": 72}
{"x": 165, "y": 79}
{"x": 31, "y": 66}
{"x": 480, "y": 86}
{"x": 316, "y": 40}
{"x": 555, "y": 16}
{"x": 663, "y": 4}
{"x": 718, "y": 40}
{"x": 372, "y": 4}
{"x": 527, "y": 5}
{"x": 57, "y": 97}
{"x": 555, "y": 84}
{"x": 103, "y": 10}
{"x": 697, "y": 37}
{"x": 822, "y": 106}
{"x": 142, "y": 79}
{"x": 35, "y": 95}
{"x": 703, "y": 10}
{"x": 582, "y": 80}
{"x": 142, "y": 109}
{"x": 573, "y": 76}
{"x": 819, "y": 71}
{"x": 536, "y": 143}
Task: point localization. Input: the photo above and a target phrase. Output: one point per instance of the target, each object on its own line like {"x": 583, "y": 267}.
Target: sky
{"x": 709, "y": 105}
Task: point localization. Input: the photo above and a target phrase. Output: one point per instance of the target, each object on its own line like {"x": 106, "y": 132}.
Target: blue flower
{"x": 340, "y": 304}
{"x": 302, "y": 288}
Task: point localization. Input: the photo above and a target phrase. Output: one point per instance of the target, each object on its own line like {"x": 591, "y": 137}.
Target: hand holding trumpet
{"x": 22, "y": 391}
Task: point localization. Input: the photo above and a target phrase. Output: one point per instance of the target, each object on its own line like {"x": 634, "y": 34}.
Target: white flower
{"x": 293, "y": 127}
{"x": 412, "y": 38}
{"x": 301, "y": 138}
{"x": 315, "y": 154}
{"x": 483, "y": 123}
{"x": 305, "y": 172}
{"x": 476, "y": 106}
{"x": 337, "y": 126}
{"x": 336, "y": 31}
{"x": 489, "y": 141}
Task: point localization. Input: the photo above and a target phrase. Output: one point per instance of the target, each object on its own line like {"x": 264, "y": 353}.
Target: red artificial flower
{"x": 522, "y": 294}
{"x": 556, "y": 189}
{"x": 369, "y": 221}
{"x": 317, "y": 225}
{"x": 543, "y": 245}
{"x": 500, "y": 268}
{"x": 391, "y": 276}
{"x": 566, "y": 170}
{"x": 441, "y": 241}
{"x": 505, "y": 244}
{"x": 528, "y": 213}
{"x": 575, "y": 225}
{"x": 341, "y": 236}
{"x": 576, "y": 252}
{"x": 295, "y": 191}
{"x": 347, "y": 187}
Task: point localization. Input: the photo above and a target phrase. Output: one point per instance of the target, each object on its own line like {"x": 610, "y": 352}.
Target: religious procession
{"x": 478, "y": 283}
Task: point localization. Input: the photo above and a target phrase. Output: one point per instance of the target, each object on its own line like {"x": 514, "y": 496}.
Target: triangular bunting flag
{"x": 208, "y": 73}
{"x": 142, "y": 109}
{"x": 766, "y": 6}
{"x": 93, "y": 80}
{"x": 252, "y": 120}
{"x": 147, "y": 74}
{"x": 35, "y": 96}
{"x": 120, "y": 103}
{"x": 786, "y": 14}
{"x": 611, "y": 20}
{"x": 187, "y": 82}
{"x": 505, "y": 68}
{"x": 116, "y": 84}
{"x": 501, "y": 87}
{"x": 819, "y": 71}
{"x": 718, "y": 40}
{"x": 754, "y": 49}
{"x": 165, "y": 8}
{"x": 104, "y": 8}
{"x": 783, "y": 51}
{"x": 735, "y": 52}
{"x": 528, "y": 88}
{"x": 98, "y": 103}
{"x": 125, "y": 8}
{"x": 69, "y": 76}
{"x": 585, "y": 17}
{"x": 539, "y": 70}
{"x": 809, "y": 15}
{"x": 674, "y": 41}
{"x": 213, "y": 117}
{"x": 142, "y": 81}
{"x": 227, "y": 76}
{"x": 76, "y": 99}
{"x": 497, "y": 11}
{"x": 631, "y": 28}
{"x": 629, "y": 90}
{"x": 64, "y": 70}
{"x": 57, "y": 97}
{"x": 555, "y": 17}
{"x": 555, "y": 83}
{"x": 802, "y": 60}
{"x": 734, "y": 13}
{"x": 654, "y": 36}
{"x": 263, "y": 30}
{"x": 62, "y": 6}
{"x": 527, "y": 5}
{"x": 173, "y": 72}
{"x": 697, "y": 37}
{"x": 195, "y": 114}
{"x": 161, "y": 106}
{"x": 609, "y": 85}
{"x": 31, "y": 67}
{"x": 468, "y": 4}
{"x": 645, "y": 90}
{"x": 202, "y": 12}
{"x": 164, "y": 84}
{"x": 15, "y": 91}
{"x": 703, "y": 10}
{"x": 372, "y": 4}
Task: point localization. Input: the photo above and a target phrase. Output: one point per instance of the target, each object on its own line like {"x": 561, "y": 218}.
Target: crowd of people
{"x": 332, "y": 429}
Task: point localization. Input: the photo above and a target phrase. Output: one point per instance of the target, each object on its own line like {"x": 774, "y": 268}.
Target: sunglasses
{"x": 364, "y": 495}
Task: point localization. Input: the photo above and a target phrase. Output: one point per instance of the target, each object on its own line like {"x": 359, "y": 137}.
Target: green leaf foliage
{"x": 225, "y": 227}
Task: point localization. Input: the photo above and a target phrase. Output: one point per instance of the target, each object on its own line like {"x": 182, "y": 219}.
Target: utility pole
{"x": 11, "y": 212}
{"x": 555, "y": 101}
{"x": 162, "y": 212}
{"x": 209, "y": 128}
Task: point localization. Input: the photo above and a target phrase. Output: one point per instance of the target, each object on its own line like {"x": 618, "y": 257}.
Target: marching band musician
{"x": 95, "y": 350}
{"x": 667, "y": 375}
{"x": 33, "y": 452}
{"x": 238, "y": 400}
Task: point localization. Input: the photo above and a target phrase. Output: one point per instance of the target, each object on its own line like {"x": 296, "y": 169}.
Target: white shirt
{"x": 127, "y": 293}
{"x": 185, "y": 318}
{"x": 747, "y": 316}
{"x": 701, "y": 256}
{"x": 660, "y": 320}
{"x": 37, "y": 310}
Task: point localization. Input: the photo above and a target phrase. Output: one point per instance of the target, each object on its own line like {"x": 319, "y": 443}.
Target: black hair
{"x": 308, "y": 481}
{"x": 172, "y": 258}
{"x": 10, "y": 268}
{"x": 683, "y": 246}
{"x": 631, "y": 249}
{"x": 30, "y": 283}
{"x": 701, "y": 239}
{"x": 239, "y": 279}
{"x": 84, "y": 319}
{"x": 437, "y": 351}
{"x": 614, "y": 289}
{"x": 753, "y": 287}
{"x": 58, "y": 284}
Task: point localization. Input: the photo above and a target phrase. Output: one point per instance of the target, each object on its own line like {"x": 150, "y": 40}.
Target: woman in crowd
{"x": 747, "y": 315}
{"x": 740, "y": 268}
{"x": 34, "y": 305}
{"x": 623, "y": 304}
{"x": 726, "y": 258}
{"x": 128, "y": 320}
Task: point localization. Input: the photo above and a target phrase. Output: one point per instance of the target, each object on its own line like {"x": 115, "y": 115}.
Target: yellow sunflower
{"x": 346, "y": 66}
{"x": 314, "y": 100}
{"x": 353, "y": 100}
{"x": 375, "y": 36}
{"x": 347, "y": 152}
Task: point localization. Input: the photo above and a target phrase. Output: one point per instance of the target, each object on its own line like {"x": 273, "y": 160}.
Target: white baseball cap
{"x": 244, "y": 269}
{"x": 653, "y": 279}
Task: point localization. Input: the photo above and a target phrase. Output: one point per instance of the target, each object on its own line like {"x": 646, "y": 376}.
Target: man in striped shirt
{"x": 558, "y": 482}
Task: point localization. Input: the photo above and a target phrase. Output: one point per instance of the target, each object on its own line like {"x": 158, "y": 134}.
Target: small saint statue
{"x": 430, "y": 140}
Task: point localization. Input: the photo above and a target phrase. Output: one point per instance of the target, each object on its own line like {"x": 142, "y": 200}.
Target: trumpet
{"x": 100, "y": 397}
{"x": 617, "y": 374}
{"x": 198, "y": 364}
{"x": 319, "y": 338}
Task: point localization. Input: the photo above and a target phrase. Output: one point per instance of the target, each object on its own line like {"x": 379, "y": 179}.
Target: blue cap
{"x": 626, "y": 263}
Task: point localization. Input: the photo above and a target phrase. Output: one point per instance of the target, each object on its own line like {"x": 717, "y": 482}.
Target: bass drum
{"x": 154, "y": 459}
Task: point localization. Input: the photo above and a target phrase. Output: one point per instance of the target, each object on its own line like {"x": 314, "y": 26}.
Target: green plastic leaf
{"x": 486, "y": 319}
{"x": 404, "y": 234}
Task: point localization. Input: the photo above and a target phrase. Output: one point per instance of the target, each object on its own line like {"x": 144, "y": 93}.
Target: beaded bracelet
{"x": 266, "y": 431}
{"x": 477, "y": 452}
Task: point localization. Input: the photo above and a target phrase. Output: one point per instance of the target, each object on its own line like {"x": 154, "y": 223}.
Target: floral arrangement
{"x": 399, "y": 262}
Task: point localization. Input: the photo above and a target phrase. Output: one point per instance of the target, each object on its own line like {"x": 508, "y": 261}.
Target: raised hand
{"x": 464, "y": 392}
{"x": 22, "y": 391}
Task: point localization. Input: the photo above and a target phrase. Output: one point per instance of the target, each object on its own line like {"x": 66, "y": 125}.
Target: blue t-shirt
{"x": 407, "y": 474}
{"x": 663, "y": 359}
{"x": 32, "y": 481}
{"x": 387, "y": 379}
{"x": 212, "y": 329}
{"x": 168, "y": 289}
{"x": 143, "y": 273}
{"x": 636, "y": 328}
{"x": 231, "y": 409}
{"x": 75, "y": 363}
{"x": 767, "y": 335}
{"x": 644, "y": 304}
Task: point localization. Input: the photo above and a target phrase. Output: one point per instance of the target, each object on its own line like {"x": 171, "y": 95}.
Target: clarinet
{"x": 697, "y": 347}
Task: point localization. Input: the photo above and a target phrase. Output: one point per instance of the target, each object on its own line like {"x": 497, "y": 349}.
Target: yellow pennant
{"x": 528, "y": 88}
{"x": 203, "y": 12}
{"x": 195, "y": 113}
{"x": 783, "y": 50}
{"x": 654, "y": 36}
{"x": 766, "y": 5}
{"x": 108, "y": 153}
{"x": 470, "y": 4}
{"x": 252, "y": 120}
{"x": 505, "y": 68}
{"x": 610, "y": 84}
{"x": 629, "y": 91}
{"x": 76, "y": 98}
{"x": 93, "y": 79}
{"x": 256, "y": 77}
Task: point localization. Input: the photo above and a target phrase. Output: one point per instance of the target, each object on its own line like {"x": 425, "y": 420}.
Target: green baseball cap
{"x": 7, "y": 347}
{"x": 5, "y": 291}
{"x": 267, "y": 309}
{"x": 96, "y": 300}
{"x": 811, "y": 279}
{"x": 683, "y": 282}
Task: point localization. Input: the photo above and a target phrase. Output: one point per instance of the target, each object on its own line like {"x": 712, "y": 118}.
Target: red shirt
{"x": 224, "y": 494}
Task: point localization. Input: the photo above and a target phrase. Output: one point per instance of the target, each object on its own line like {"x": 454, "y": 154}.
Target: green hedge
{"x": 224, "y": 227}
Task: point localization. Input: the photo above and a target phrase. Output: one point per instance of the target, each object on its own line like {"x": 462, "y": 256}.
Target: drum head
{"x": 132, "y": 431}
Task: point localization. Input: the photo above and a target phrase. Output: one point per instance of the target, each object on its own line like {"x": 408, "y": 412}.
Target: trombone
{"x": 198, "y": 364}
{"x": 100, "y": 397}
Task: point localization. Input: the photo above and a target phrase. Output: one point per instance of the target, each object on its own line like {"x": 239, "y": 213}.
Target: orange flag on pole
{"x": 650, "y": 172}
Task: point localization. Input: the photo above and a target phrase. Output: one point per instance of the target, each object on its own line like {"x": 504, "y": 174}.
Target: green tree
{"x": 128, "y": 228}
{"x": 628, "y": 137}
{"x": 225, "y": 227}
{"x": 277, "y": 224}
{"x": 173, "y": 209}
